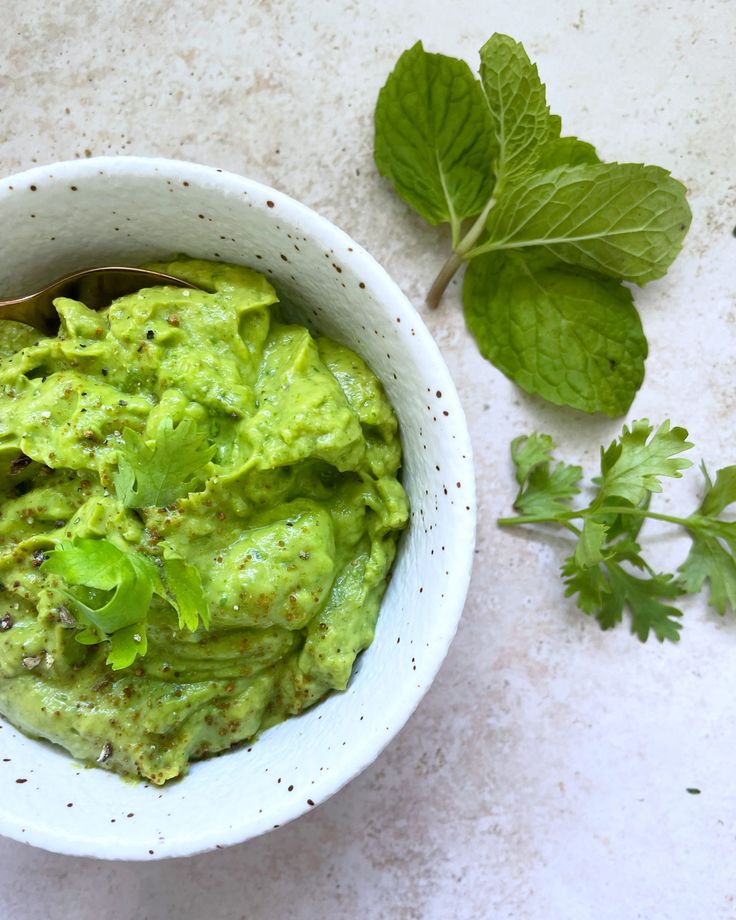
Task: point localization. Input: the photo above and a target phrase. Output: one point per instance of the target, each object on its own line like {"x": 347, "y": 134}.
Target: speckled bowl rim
{"x": 392, "y": 300}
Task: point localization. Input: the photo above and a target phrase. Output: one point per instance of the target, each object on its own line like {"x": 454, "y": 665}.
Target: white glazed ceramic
{"x": 128, "y": 210}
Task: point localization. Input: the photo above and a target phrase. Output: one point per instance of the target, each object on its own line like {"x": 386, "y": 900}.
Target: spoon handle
{"x": 96, "y": 287}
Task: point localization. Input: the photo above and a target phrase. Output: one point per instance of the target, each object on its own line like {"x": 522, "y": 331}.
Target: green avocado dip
{"x": 199, "y": 509}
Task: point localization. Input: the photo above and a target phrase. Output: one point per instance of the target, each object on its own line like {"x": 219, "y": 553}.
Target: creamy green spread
{"x": 242, "y": 593}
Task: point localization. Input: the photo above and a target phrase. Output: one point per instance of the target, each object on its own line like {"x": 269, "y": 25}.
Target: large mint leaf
{"x": 621, "y": 219}
{"x": 516, "y": 96}
{"x": 433, "y": 136}
{"x": 571, "y": 337}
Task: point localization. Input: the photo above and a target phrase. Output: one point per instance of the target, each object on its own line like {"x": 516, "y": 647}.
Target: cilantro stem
{"x": 565, "y": 516}
{"x": 645, "y": 513}
{"x": 456, "y": 258}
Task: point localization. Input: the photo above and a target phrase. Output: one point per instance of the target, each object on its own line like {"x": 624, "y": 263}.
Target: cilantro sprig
{"x": 152, "y": 473}
{"x": 607, "y": 571}
{"x": 109, "y": 587}
{"x": 549, "y": 231}
{"x": 110, "y": 591}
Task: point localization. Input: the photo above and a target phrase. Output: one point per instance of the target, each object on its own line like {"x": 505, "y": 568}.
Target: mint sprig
{"x": 550, "y": 232}
{"x": 607, "y": 571}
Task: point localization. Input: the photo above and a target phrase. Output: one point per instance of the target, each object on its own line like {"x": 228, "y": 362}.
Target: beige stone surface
{"x": 545, "y": 774}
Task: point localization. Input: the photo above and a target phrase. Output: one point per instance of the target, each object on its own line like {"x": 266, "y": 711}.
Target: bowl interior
{"x": 128, "y": 210}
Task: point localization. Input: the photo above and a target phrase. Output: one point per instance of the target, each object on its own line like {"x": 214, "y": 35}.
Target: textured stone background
{"x": 545, "y": 774}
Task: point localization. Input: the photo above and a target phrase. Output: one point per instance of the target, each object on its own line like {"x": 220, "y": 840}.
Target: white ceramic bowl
{"x": 128, "y": 210}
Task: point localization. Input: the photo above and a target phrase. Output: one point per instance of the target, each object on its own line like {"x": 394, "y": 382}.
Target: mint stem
{"x": 445, "y": 276}
{"x": 456, "y": 259}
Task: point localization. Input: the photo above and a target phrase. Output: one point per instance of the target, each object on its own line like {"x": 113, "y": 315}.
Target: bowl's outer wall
{"x": 128, "y": 210}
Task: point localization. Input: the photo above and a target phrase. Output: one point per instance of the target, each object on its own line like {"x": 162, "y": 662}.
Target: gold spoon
{"x": 99, "y": 287}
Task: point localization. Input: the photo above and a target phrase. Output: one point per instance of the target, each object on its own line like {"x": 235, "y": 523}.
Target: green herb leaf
{"x": 573, "y": 338}
{"x": 110, "y": 591}
{"x": 126, "y": 645}
{"x": 606, "y": 590}
{"x": 184, "y": 591}
{"x": 433, "y": 137}
{"x": 644, "y": 598}
{"x": 634, "y": 464}
{"x": 565, "y": 151}
{"x": 565, "y": 228}
{"x": 623, "y": 220}
{"x": 599, "y": 570}
{"x": 711, "y": 557}
{"x": 589, "y": 550}
{"x": 101, "y": 568}
{"x": 626, "y": 524}
{"x": 528, "y": 451}
{"x": 521, "y": 118}
{"x": 155, "y": 473}
{"x": 719, "y": 495}
{"x": 708, "y": 560}
{"x": 544, "y": 489}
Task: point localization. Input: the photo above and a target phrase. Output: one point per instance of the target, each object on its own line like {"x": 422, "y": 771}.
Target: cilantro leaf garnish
{"x": 183, "y": 585}
{"x": 111, "y": 589}
{"x": 155, "y": 473}
{"x": 607, "y": 571}
{"x": 549, "y": 231}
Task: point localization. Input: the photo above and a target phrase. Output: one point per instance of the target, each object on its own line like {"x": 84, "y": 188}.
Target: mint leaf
{"x": 565, "y": 151}
{"x": 634, "y": 464}
{"x": 561, "y": 333}
{"x": 454, "y": 151}
{"x": 433, "y": 137}
{"x": 623, "y": 220}
{"x": 516, "y": 96}
{"x": 155, "y": 473}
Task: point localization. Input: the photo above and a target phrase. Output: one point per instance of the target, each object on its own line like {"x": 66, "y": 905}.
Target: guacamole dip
{"x": 199, "y": 508}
